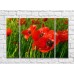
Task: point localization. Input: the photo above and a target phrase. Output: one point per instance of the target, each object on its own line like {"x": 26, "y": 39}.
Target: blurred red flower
{"x": 45, "y": 43}
{"x": 35, "y": 21}
{"x": 22, "y": 21}
{"x": 8, "y": 32}
{"x": 45, "y": 19}
{"x": 27, "y": 33}
{"x": 10, "y": 19}
{"x": 63, "y": 35}
{"x": 66, "y": 22}
{"x": 39, "y": 33}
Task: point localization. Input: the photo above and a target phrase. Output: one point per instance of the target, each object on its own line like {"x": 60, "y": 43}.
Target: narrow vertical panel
{"x": 12, "y": 37}
{"x": 62, "y": 38}
{"x": 37, "y": 37}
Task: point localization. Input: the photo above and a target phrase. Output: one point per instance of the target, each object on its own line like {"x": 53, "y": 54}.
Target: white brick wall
{"x": 42, "y": 13}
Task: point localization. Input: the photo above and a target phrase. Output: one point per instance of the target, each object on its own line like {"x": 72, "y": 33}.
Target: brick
{"x": 12, "y": 13}
{"x": 2, "y": 32}
{"x": 72, "y": 45}
{"x": 2, "y": 18}
{"x": 67, "y": 13}
{"x": 47, "y": 60}
{"x": 2, "y": 41}
{"x": 69, "y": 60}
{"x": 35, "y": 14}
{"x": 71, "y": 50}
{"x": 71, "y": 32}
{"x": 1, "y": 46}
{"x": 71, "y": 18}
{"x": 2, "y": 12}
{"x": 1, "y": 37}
{"x": 57, "y": 13}
{"x": 44, "y": 13}
{"x": 51, "y": 13}
{"x": 24, "y": 13}
{"x": 71, "y": 23}
{"x": 2, "y": 27}
{"x": 72, "y": 55}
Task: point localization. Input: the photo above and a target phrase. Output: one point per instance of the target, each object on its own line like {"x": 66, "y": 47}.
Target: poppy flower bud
{"x": 9, "y": 32}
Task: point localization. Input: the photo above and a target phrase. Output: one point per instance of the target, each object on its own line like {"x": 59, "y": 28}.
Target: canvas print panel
{"x": 12, "y": 35}
{"x": 37, "y": 37}
{"x": 62, "y": 38}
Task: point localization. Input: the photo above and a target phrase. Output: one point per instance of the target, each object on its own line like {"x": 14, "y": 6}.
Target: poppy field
{"x": 37, "y": 37}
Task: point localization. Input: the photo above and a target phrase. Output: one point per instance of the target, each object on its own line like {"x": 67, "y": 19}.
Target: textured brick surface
{"x": 36, "y": 14}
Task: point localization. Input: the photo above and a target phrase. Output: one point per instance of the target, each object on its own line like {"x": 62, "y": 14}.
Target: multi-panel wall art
{"x": 37, "y": 37}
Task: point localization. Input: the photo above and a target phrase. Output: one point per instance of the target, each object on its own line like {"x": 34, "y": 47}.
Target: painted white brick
{"x": 3, "y": 12}
{"x": 71, "y": 32}
{"x": 24, "y": 13}
{"x": 51, "y": 13}
{"x": 1, "y": 46}
{"x": 1, "y": 37}
{"x": 2, "y": 41}
{"x": 71, "y": 50}
{"x": 2, "y": 32}
{"x": 47, "y": 60}
{"x": 2, "y": 18}
{"x": 71, "y": 18}
{"x": 72, "y": 45}
{"x": 72, "y": 55}
{"x": 69, "y": 60}
{"x": 57, "y": 13}
{"x": 71, "y": 23}
{"x": 2, "y": 22}
{"x": 44, "y": 13}
{"x": 67, "y": 13}
{"x": 71, "y": 27}
{"x": 71, "y": 40}
{"x": 12, "y": 13}
{"x": 69, "y": 46}
{"x": 35, "y": 14}
{"x": 2, "y": 27}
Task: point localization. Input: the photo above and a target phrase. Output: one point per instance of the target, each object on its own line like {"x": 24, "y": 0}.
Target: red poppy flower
{"x": 35, "y": 21}
{"x": 10, "y": 19}
{"x": 27, "y": 33}
{"x": 45, "y": 19}
{"x": 8, "y": 32}
{"x": 46, "y": 43}
{"x": 22, "y": 21}
{"x": 39, "y": 33}
{"x": 66, "y": 21}
{"x": 63, "y": 35}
